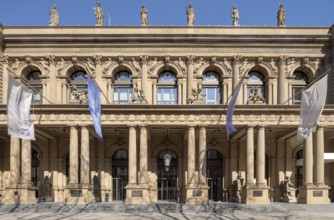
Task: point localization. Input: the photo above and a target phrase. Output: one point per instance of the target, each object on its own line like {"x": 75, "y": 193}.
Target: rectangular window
{"x": 122, "y": 95}
{"x": 167, "y": 96}
{"x": 37, "y": 95}
{"x": 211, "y": 95}
{"x": 297, "y": 94}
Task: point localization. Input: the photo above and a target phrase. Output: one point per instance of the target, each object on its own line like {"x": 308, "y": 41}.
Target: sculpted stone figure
{"x": 255, "y": 96}
{"x": 287, "y": 187}
{"x": 99, "y": 15}
{"x": 281, "y": 16}
{"x": 144, "y": 19}
{"x": 237, "y": 187}
{"x": 235, "y": 16}
{"x": 54, "y": 16}
{"x": 191, "y": 15}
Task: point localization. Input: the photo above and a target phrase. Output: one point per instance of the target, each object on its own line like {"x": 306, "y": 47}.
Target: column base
{"x": 137, "y": 194}
{"x": 20, "y": 195}
{"x": 313, "y": 194}
{"x": 74, "y": 194}
{"x": 197, "y": 194}
{"x": 253, "y": 194}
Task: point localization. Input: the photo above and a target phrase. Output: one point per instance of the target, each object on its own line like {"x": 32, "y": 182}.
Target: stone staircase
{"x": 167, "y": 207}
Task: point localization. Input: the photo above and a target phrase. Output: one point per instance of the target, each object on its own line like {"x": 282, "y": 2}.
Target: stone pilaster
{"x": 190, "y": 75}
{"x": 74, "y": 157}
{"x": 52, "y": 82}
{"x": 282, "y": 82}
{"x": 202, "y": 185}
{"x": 236, "y": 73}
{"x": 260, "y": 157}
{"x": 144, "y": 79}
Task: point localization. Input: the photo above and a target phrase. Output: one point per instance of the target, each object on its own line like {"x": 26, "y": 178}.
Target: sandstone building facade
{"x": 165, "y": 91}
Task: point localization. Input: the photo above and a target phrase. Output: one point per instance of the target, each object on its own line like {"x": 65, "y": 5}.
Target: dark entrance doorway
{"x": 167, "y": 177}
{"x": 120, "y": 173}
{"x": 214, "y": 162}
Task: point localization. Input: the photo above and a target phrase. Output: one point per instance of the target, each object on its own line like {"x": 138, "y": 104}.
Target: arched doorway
{"x": 214, "y": 161}
{"x": 120, "y": 172}
{"x": 35, "y": 171}
{"x": 167, "y": 176}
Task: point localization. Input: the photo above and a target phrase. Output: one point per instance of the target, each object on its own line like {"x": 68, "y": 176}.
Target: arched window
{"x": 167, "y": 89}
{"x": 256, "y": 93}
{"x": 78, "y": 87}
{"x": 211, "y": 88}
{"x": 298, "y": 84}
{"x": 122, "y": 88}
{"x": 33, "y": 79}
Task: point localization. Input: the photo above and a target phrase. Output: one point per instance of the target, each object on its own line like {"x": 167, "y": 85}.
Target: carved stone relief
{"x": 107, "y": 65}
{"x": 152, "y": 64}
{"x": 135, "y": 64}
{"x": 198, "y": 64}
{"x": 181, "y": 65}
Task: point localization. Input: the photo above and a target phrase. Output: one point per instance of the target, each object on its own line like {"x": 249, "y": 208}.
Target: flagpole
{"x": 27, "y": 84}
{"x": 309, "y": 85}
{"x": 99, "y": 87}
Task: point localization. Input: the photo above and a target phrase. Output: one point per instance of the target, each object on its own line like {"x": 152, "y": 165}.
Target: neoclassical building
{"x": 164, "y": 99}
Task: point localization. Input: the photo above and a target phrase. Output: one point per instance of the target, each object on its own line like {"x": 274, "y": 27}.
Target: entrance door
{"x": 214, "y": 175}
{"x": 167, "y": 177}
{"x": 120, "y": 175}
{"x": 35, "y": 172}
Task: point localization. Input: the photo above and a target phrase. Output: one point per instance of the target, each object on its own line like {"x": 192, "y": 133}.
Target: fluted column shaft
{"x": 143, "y": 155}
{"x": 250, "y": 156}
{"x": 84, "y": 156}
{"x": 202, "y": 156}
{"x": 191, "y": 156}
{"x": 74, "y": 163}
{"x": 320, "y": 163}
{"x": 14, "y": 160}
{"x": 26, "y": 162}
{"x": 132, "y": 156}
{"x": 308, "y": 160}
{"x": 260, "y": 157}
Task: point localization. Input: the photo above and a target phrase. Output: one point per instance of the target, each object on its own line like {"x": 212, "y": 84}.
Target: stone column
{"x": 144, "y": 79}
{"x": 202, "y": 156}
{"x": 190, "y": 76}
{"x": 54, "y": 170}
{"x": 26, "y": 162}
{"x": 101, "y": 169}
{"x": 52, "y": 82}
{"x": 191, "y": 157}
{"x": 74, "y": 162}
{"x": 319, "y": 155}
{"x": 154, "y": 92}
{"x": 14, "y": 161}
{"x": 143, "y": 155}
{"x": 260, "y": 157}
{"x": 234, "y": 160}
{"x": 98, "y": 76}
{"x": 308, "y": 160}
{"x": 236, "y": 66}
{"x": 250, "y": 156}
{"x": 282, "y": 84}
{"x": 84, "y": 155}
{"x": 132, "y": 156}
{"x": 179, "y": 93}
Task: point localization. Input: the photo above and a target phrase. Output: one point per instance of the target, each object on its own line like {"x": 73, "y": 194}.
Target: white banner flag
{"x": 18, "y": 110}
{"x": 313, "y": 102}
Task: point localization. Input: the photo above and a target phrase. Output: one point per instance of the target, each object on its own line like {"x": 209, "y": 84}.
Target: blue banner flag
{"x": 230, "y": 109}
{"x": 94, "y": 103}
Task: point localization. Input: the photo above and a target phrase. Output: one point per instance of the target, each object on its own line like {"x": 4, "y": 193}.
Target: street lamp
{"x": 167, "y": 159}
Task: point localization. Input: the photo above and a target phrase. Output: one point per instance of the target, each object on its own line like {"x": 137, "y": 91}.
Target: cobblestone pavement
{"x": 168, "y": 211}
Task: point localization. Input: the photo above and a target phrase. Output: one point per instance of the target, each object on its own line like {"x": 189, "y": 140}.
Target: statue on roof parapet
{"x": 235, "y": 16}
{"x": 99, "y": 15}
{"x": 54, "y": 16}
{"x": 191, "y": 15}
{"x": 144, "y": 18}
{"x": 281, "y": 16}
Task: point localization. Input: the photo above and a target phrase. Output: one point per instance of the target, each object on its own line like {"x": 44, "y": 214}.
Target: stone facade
{"x": 129, "y": 163}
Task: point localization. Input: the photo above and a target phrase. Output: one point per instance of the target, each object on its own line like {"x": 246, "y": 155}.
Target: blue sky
{"x": 167, "y": 12}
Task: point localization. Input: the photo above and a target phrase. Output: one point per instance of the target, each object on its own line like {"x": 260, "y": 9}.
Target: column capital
{"x": 143, "y": 125}
{"x": 132, "y": 126}
{"x": 190, "y": 127}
